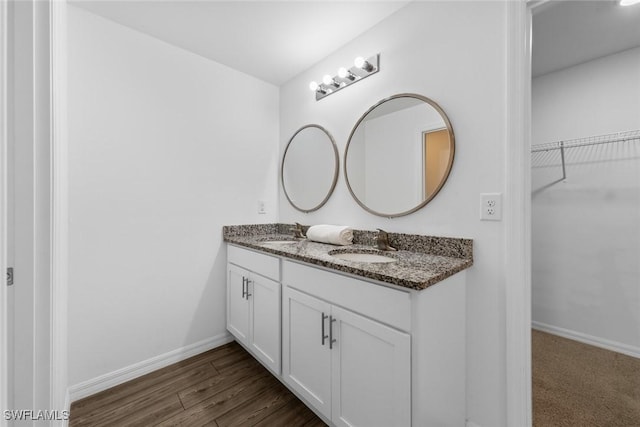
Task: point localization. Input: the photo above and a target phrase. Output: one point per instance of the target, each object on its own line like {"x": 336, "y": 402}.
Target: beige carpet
{"x": 575, "y": 384}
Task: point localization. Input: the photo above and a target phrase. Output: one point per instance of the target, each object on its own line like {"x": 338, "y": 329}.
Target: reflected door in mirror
{"x": 437, "y": 152}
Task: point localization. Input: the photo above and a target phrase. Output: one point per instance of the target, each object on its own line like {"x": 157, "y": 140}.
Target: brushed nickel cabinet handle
{"x": 244, "y": 280}
{"x": 331, "y": 340}
{"x": 324, "y": 337}
{"x": 248, "y": 294}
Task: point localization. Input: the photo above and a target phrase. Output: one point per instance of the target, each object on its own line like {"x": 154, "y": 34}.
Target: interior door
{"x": 27, "y": 197}
{"x": 437, "y": 151}
{"x": 306, "y": 354}
{"x": 6, "y": 238}
{"x": 371, "y": 377}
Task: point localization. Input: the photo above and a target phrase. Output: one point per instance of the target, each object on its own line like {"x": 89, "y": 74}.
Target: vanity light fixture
{"x": 315, "y": 87}
{"x": 327, "y": 80}
{"x": 362, "y": 68}
{"x": 343, "y": 73}
{"x": 360, "y": 62}
{"x": 628, "y": 2}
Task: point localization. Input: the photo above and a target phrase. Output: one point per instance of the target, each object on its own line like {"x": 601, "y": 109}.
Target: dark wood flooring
{"x": 222, "y": 387}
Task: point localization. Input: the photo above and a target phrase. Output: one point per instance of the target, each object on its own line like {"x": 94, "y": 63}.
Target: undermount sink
{"x": 363, "y": 257}
{"x": 279, "y": 242}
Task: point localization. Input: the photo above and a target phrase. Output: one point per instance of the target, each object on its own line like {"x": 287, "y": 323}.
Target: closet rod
{"x": 592, "y": 140}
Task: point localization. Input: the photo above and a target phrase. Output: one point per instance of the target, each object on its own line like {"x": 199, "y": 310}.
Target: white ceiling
{"x": 271, "y": 40}
{"x": 570, "y": 32}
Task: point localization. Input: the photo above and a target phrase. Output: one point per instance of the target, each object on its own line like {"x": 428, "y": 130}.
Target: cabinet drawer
{"x": 386, "y": 305}
{"x": 265, "y": 265}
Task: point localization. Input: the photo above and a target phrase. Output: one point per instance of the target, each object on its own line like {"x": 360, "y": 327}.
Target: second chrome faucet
{"x": 383, "y": 241}
{"x": 298, "y": 233}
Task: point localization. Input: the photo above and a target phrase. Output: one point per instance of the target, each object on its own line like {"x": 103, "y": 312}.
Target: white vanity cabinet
{"x": 354, "y": 370}
{"x": 307, "y": 356}
{"x": 359, "y": 352}
{"x": 253, "y": 304}
{"x": 238, "y": 303}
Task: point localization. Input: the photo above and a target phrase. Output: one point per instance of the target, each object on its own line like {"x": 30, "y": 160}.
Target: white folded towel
{"x": 332, "y": 234}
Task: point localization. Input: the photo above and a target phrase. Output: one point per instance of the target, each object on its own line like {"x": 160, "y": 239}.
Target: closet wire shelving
{"x": 546, "y": 155}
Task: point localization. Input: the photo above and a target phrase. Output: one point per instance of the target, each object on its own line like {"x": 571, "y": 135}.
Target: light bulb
{"x": 360, "y": 62}
{"x": 628, "y": 2}
{"x": 327, "y": 79}
{"x": 342, "y": 72}
{"x": 313, "y": 86}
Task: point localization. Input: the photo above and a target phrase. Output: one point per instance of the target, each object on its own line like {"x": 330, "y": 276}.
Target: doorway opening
{"x": 585, "y": 212}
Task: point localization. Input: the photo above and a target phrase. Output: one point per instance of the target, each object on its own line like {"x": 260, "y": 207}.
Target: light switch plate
{"x": 491, "y": 206}
{"x": 262, "y": 208}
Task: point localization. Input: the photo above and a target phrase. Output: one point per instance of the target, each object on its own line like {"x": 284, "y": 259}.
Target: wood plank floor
{"x": 222, "y": 387}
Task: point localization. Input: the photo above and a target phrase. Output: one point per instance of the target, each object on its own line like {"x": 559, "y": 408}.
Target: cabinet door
{"x": 306, "y": 354}
{"x": 264, "y": 295}
{"x": 371, "y": 376}
{"x": 237, "y": 303}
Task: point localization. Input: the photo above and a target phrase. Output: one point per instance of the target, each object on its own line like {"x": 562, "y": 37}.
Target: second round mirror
{"x": 399, "y": 155}
{"x": 309, "y": 168}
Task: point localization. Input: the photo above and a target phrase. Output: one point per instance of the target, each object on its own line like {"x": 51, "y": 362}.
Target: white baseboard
{"x": 618, "y": 347}
{"x": 111, "y": 379}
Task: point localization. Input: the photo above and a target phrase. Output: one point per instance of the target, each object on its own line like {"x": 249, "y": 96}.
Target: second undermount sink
{"x": 279, "y": 242}
{"x": 368, "y": 257}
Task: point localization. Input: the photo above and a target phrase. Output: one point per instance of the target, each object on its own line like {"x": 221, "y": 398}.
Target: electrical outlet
{"x": 491, "y": 206}
{"x": 262, "y": 209}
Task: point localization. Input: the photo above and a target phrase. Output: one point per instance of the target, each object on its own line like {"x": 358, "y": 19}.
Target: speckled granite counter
{"x": 422, "y": 261}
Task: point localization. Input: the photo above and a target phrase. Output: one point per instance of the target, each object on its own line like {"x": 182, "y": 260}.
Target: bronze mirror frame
{"x": 449, "y": 165}
{"x": 335, "y": 174}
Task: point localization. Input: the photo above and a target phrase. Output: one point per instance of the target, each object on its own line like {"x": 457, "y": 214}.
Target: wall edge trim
{"x": 67, "y": 407}
{"x": 58, "y": 209}
{"x": 517, "y": 216}
{"x": 111, "y": 379}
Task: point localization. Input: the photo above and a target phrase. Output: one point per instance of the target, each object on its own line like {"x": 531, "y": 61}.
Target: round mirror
{"x": 399, "y": 155}
{"x": 309, "y": 168}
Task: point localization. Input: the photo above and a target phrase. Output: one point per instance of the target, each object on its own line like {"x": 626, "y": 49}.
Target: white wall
{"x": 165, "y": 147}
{"x": 453, "y": 53}
{"x": 586, "y": 230}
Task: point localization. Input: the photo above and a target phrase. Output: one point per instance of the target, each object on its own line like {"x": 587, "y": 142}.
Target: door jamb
{"x": 59, "y": 392}
{"x": 518, "y": 206}
{"x": 4, "y": 348}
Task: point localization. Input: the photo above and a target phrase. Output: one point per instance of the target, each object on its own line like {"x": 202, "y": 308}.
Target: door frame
{"x": 4, "y": 348}
{"x": 518, "y": 212}
{"x": 59, "y": 219}
{"x": 49, "y": 390}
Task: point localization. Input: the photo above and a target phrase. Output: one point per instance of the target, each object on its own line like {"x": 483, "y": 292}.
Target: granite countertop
{"x": 422, "y": 261}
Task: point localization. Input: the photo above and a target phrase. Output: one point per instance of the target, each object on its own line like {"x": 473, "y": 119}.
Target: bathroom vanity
{"x": 361, "y": 343}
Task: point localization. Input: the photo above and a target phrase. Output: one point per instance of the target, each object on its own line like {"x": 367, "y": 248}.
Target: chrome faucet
{"x": 297, "y": 231}
{"x": 383, "y": 241}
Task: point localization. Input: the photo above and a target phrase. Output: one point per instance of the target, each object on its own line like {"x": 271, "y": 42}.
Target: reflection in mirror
{"x": 399, "y": 155}
{"x": 309, "y": 168}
